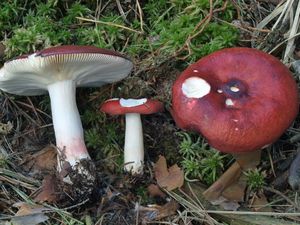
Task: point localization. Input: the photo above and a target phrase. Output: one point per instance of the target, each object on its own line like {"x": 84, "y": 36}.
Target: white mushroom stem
{"x": 134, "y": 144}
{"x": 66, "y": 122}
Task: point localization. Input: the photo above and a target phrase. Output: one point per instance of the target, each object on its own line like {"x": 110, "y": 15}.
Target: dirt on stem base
{"x": 79, "y": 181}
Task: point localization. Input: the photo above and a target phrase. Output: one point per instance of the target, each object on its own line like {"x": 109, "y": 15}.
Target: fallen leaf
{"x": 236, "y": 191}
{"x": 44, "y": 160}
{"x": 29, "y": 214}
{"x": 171, "y": 178}
{"x": 154, "y": 191}
{"x": 28, "y": 209}
{"x": 157, "y": 212}
{"x": 225, "y": 203}
{"x": 160, "y": 168}
{"x": 230, "y": 205}
{"x": 48, "y": 192}
{"x": 260, "y": 204}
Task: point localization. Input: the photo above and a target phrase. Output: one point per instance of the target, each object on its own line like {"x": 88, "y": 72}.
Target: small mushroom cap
{"x": 239, "y": 99}
{"x": 87, "y": 66}
{"x": 122, "y": 106}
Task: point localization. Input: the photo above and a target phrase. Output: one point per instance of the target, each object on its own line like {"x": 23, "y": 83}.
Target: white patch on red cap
{"x": 195, "y": 87}
{"x": 132, "y": 102}
{"x": 234, "y": 89}
{"x": 229, "y": 102}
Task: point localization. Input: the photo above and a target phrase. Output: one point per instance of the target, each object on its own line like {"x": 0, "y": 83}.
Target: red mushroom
{"x": 240, "y": 100}
{"x": 134, "y": 145}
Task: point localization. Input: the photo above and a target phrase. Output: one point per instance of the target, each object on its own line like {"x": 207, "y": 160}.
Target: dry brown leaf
{"x": 160, "y": 168}
{"x": 154, "y": 191}
{"x": 260, "y": 204}
{"x": 29, "y": 214}
{"x": 48, "y": 191}
{"x": 225, "y": 203}
{"x": 157, "y": 212}
{"x": 44, "y": 160}
{"x": 28, "y": 209}
{"x": 236, "y": 191}
{"x": 171, "y": 178}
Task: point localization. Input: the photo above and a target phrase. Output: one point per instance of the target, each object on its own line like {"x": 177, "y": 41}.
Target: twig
{"x": 109, "y": 24}
{"x": 271, "y": 162}
{"x": 201, "y": 26}
{"x": 121, "y": 11}
{"x": 283, "y": 196}
{"x": 290, "y": 44}
{"x": 140, "y": 14}
{"x": 250, "y": 213}
{"x": 281, "y": 43}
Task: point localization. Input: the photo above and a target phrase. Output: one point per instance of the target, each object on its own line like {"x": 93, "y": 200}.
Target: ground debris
{"x": 259, "y": 203}
{"x": 226, "y": 204}
{"x": 156, "y": 212}
{"x": 44, "y": 161}
{"x": 28, "y": 214}
{"x": 155, "y": 191}
{"x": 6, "y": 128}
{"x": 49, "y": 190}
{"x": 169, "y": 179}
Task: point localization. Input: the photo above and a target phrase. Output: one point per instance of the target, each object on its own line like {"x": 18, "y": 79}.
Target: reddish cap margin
{"x": 113, "y": 107}
{"x": 72, "y": 49}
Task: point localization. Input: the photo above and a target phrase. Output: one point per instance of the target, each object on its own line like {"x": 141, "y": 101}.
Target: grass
{"x": 199, "y": 161}
{"x": 37, "y": 25}
{"x": 255, "y": 179}
{"x": 162, "y": 37}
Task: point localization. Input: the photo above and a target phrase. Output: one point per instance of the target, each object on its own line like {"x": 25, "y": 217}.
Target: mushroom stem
{"x": 66, "y": 122}
{"x": 232, "y": 175}
{"x": 134, "y": 144}
{"x": 248, "y": 160}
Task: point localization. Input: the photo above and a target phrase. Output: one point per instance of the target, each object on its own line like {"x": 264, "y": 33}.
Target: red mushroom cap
{"x": 249, "y": 99}
{"x": 142, "y": 106}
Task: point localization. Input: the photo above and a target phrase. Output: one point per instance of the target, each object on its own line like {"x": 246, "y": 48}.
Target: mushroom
{"x": 240, "y": 100}
{"x": 59, "y": 70}
{"x": 134, "y": 144}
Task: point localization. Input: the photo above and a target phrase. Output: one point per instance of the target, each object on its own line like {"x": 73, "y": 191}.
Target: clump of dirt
{"x": 79, "y": 182}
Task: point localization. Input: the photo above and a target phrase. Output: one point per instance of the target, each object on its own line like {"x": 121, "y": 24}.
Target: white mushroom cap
{"x": 59, "y": 70}
{"x": 87, "y": 66}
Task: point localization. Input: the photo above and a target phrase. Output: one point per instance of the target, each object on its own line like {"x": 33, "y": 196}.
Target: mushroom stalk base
{"x": 228, "y": 177}
{"x": 76, "y": 169}
{"x": 231, "y": 177}
{"x": 134, "y": 144}
{"x": 66, "y": 122}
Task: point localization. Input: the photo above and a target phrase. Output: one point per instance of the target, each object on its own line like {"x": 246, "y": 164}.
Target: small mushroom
{"x": 58, "y": 70}
{"x": 134, "y": 144}
{"x": 240, "y": 100}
